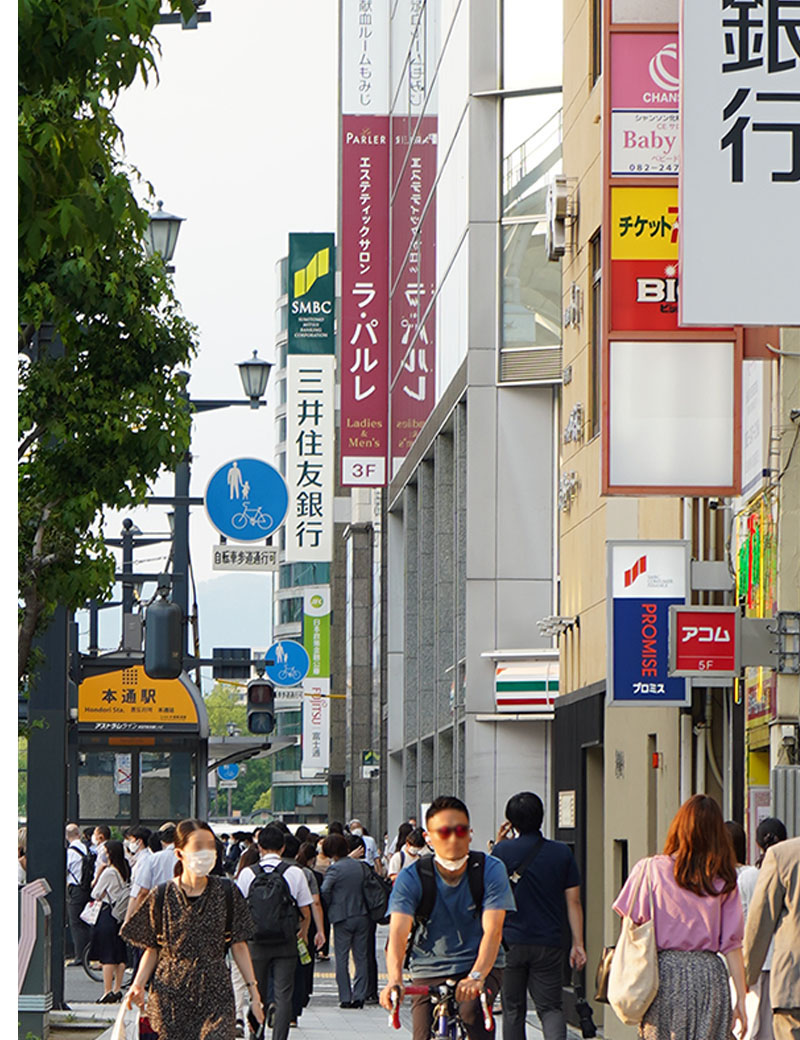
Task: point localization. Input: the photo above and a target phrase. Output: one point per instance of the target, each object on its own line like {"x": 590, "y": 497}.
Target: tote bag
{"x": 126, "y": 1026}
{"x": 633, "y": 978}
{"x": 91, "y": 911}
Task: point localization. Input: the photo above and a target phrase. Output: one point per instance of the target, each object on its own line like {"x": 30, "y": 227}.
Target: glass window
{"x": 289, "y": 723}
{"x": 531, "y": 152}
{"x": 287, "y": 760}
{"x": 104, "y": 785}
{"x": 531, "y": 283}
{"x": 597, "y": 40}
{"x": 281, "y": 429}
{"x": 294, "y": 574}
{"x": 282, "y": 276}
{"x": 290, "y": 610}
{"x": 596, "y": 334}
{"x": 532, "y": 43}
{"x": 166, "y": 785}
{"x": 531, "y": 288}
{"x": 281, "y": 391}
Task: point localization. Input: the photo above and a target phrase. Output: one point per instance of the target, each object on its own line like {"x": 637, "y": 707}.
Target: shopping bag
{"x": 126, "y": 1026}
{"x": 91, "y": 911}
{"x": 633, "y": 977}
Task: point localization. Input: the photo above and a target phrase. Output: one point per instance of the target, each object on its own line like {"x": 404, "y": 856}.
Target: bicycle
{"x": 447, "y": 1022}
{"x": 256, "y": 517}
{"x": 95, "y": 970}
{"x": 289, "y": 674}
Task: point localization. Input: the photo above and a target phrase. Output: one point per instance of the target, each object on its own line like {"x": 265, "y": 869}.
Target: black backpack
{"x": 476, "y": 865}
{"x": 272, "y": 907}
{"x": 87, "y": 872}
{"x": 161, "y": 892}
{"x": 376, "y": 895}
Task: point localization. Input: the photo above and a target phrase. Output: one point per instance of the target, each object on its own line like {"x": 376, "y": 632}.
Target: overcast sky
{"x": 238, "y": 137}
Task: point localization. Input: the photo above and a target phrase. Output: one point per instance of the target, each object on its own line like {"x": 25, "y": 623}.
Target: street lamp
{"x": 162, "y": 233}
{"x": 254, "y": 374}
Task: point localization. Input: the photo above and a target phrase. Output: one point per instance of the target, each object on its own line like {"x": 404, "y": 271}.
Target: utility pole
{"x": 47, "y": 782}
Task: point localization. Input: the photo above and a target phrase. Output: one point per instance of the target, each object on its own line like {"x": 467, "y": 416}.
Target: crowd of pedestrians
{"x": 223, "y": 933}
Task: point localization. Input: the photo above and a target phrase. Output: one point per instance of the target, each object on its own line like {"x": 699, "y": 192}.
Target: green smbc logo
{"x": 316, "y": 602}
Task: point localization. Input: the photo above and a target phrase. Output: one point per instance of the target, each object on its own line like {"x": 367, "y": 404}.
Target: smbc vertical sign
{"x": 310, "y": 406}
{"x": 312, "y": 294}
{"x": 317, "y": 684}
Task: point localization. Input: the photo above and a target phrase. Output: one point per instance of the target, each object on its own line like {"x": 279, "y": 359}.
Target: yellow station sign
{"x": 129, "y": 700}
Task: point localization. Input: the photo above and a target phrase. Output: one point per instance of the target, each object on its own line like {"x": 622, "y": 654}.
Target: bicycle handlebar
{"x": 433, "y": 991}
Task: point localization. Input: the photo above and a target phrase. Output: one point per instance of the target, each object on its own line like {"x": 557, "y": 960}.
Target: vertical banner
{"x": 413, "y": 221}
{"x": 364, "y": 242}
{"x": 312, "y": 292}
{"x": 645, "y": 133}
{"x": 317, "y": 684}
{"x": 310, "y": 449}
{"x": 644, "y": 580}
{"x": 740, "y": 162}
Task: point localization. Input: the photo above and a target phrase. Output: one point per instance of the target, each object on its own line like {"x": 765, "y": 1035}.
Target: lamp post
{"x": 162, "y": 234}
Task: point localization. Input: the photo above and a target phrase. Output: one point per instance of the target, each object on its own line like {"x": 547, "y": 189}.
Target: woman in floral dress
{"x": 183, "y": 932}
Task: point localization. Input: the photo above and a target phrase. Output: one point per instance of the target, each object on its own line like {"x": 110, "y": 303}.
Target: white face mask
{"x": 451, "y": 864}
{"x": 412, "y": 850}
{"x": 132, "y": 847}
{"x": 200, "y": 863}
{"x": 357, "y": 831}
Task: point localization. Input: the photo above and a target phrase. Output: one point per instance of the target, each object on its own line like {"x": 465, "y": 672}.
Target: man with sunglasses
{"x": 458, "y": 939}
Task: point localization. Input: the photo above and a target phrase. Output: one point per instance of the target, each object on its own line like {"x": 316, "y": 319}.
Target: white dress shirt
{"x": 142, "y": 872}
{"x": 294, "y": 878}
{"x": 164, "y": 865}
{"x": 75, "y": 856}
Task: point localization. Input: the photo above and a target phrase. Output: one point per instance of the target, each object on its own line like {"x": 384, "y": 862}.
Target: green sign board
{"x": 317, "y": 630}
{"x": 312, "y": 293}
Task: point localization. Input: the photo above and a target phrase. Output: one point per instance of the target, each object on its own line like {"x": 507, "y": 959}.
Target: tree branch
{"x": 34, "y": 435}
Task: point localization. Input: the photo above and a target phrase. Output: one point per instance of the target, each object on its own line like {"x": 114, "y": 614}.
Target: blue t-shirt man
{"x": 448, "y": 945}
{"x": 459, "y": 940}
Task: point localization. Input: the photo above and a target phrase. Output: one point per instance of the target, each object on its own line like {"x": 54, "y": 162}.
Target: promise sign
{"x": 317, "y": 684}
{"x": 645, "y": 579}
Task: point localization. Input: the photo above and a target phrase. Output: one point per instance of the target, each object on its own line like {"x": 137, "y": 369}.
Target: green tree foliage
{"x": 254, "y": 789}
{"x": 101, "y": 334}
{"x": 226, "y": 704}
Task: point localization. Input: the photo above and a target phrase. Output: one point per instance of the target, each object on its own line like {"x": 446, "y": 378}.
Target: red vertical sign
{"x": 364, "y": 329}
{"x": 413, "y": 279}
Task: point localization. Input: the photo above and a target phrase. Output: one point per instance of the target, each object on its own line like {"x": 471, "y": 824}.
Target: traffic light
{"x": 163, "y": 640}
{"x": 260, "y": 706}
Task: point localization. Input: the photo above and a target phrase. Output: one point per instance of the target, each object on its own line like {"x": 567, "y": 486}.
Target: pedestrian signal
{"x": 260, "y": 706}
{"x": 163, "y": 640}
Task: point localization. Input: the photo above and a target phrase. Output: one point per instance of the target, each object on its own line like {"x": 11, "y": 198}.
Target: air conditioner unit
{"x": 555, "y": 241}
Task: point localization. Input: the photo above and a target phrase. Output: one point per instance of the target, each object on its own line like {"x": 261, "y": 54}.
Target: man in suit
{"x": 775, "y": 911}
{"x": 342, "y": 892}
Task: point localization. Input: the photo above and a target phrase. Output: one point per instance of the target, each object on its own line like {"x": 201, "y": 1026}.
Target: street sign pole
{"x": 47, "y": 784}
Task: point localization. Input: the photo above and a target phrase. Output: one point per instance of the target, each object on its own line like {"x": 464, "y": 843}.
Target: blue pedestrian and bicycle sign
{"x": 228, "y": 771}
{"x": 246, "y": 500}
{"x": 286, "y": 663}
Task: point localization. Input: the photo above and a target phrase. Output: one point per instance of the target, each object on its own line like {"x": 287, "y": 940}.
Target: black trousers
{"x": 80, "y": 930}
{"x": 372, "y": 964}
{"x": 537, "y": 970}
{"x": 280, "y": 970}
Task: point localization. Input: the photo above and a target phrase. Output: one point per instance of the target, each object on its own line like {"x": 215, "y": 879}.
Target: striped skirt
{"x": 693, "y": 1000}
